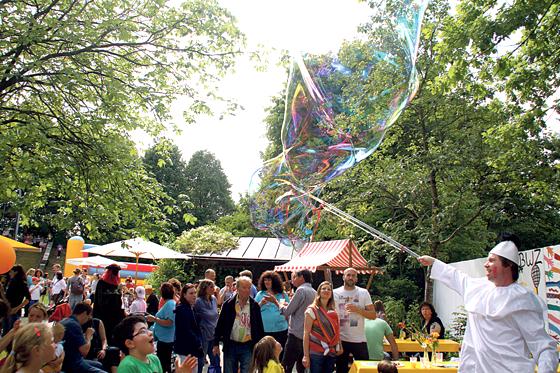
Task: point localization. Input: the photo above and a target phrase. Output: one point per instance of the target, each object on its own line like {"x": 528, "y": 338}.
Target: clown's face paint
{"x": 494, "y": 269}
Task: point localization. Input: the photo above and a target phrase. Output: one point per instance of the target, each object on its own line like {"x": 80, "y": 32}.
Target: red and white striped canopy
{"x": 330, "y": 253}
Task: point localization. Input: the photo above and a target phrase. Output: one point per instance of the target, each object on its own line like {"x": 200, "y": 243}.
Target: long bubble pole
{"x": 363, "y": 226}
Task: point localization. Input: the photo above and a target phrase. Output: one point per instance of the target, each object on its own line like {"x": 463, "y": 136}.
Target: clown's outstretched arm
{"x": 450, "y": 276}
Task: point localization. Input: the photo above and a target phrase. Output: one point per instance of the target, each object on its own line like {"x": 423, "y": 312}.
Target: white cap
{"x": 508, "y": 250}
{"x": 140, "y": 292}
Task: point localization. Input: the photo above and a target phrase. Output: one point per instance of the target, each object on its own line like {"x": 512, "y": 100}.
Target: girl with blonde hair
{"x": 32, "y": 348}
{"x": 266, "y": 355}
{"x": 55, "y": 366}
{"x": 38, "y": 313}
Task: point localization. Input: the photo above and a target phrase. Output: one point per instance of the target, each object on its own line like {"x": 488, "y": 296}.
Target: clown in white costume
{"x": 505, "y": 325}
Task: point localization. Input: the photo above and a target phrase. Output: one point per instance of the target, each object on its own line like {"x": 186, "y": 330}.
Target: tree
{"x": 112, "y": 197}
{"x": 454, "y": 168}
{"x": 510, "y": 48}
{"x": 163, "y": 161}
{"x": 239, "y": 222}
{"x": 168, "y": 269}
{"x": 76, "y": 78}
{"x": 208, "y": 188}
{"x": 205, "y": 239}
{"x": 459, "y": 166}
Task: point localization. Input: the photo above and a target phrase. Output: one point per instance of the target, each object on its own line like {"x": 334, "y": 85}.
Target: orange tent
{"x": 20, "y": 246}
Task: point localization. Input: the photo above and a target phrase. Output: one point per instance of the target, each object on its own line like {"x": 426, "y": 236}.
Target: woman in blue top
{"x": 164, "y": 326}
{"x": 275, "y": 324}
{"x": 188, "y": 340}
{"x": 206, "y": 313}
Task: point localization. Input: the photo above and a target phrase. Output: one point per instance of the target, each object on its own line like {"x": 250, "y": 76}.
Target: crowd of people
{"x": 98, "y": 324}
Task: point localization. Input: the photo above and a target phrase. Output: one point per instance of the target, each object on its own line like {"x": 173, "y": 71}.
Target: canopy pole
{"x": 350, "y": 247}
{"x": 328, "y": 275}
{"x": 136, "y": 276}
{"x": 370, "y": 281}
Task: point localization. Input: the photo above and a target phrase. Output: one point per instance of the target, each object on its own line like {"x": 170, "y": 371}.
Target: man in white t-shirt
{"x": 55, "y": 268}
{"x": 354, "y": 305}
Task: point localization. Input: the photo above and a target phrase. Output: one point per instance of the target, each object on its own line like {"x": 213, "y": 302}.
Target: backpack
{"x": 77, "y": 287}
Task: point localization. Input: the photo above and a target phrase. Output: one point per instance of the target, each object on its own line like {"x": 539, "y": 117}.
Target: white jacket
{"x": 505, "y": 325}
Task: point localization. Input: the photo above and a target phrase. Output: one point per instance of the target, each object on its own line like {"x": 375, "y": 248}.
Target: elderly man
{"x": 354, "y": 305}
{"x": 239, "y": 328}
{"x": 505, "y": 322}
{"x": 210, "y": 274}
{"x": 295, "y": 313}
{"x": 227, "y": 291}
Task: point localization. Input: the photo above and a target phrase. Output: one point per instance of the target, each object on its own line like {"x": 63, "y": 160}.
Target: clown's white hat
{"x": 508, "y": 250}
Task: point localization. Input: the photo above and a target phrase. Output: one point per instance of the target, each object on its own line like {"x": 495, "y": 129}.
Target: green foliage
{"x": 399, "y": 310}
{"x": 456, "y": 330}
{"x": 239, "y": 223}
{"x": 398, "y": 288}
{"x": 513, "y": 46}
{"x": 207, "y": 188}
{"x": 205, "y": 239}
{"x": 76, "y": 80}
{"x": 462, "y": 163}
{"x": 164, "y": 162}
{"x": 413, "y": 315}
{"x": 167, "y": 269}
{"x": 395, "y": 312}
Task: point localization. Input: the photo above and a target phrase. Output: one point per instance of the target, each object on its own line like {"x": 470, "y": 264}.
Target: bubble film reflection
{"x": 338, "y": 108}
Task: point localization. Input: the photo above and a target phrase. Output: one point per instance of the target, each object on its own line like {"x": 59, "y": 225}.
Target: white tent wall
{"x": 536, "y": 266}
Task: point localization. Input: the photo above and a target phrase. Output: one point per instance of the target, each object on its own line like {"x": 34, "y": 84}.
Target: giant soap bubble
{"x": 339, "y": 104}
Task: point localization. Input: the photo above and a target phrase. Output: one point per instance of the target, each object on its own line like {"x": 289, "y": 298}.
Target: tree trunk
{"x": 428, "y": 283}
{"x": 428, "y": 286}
